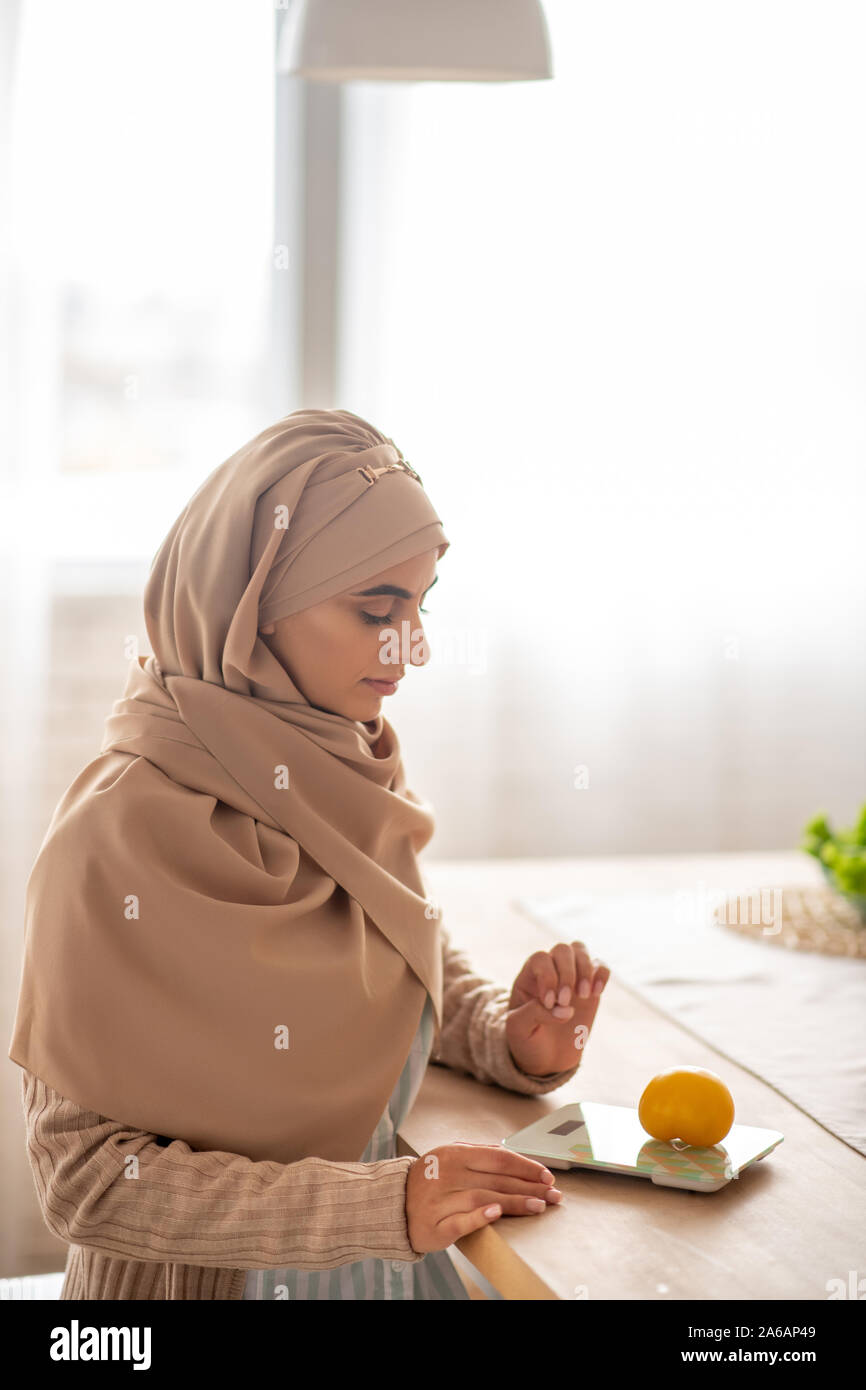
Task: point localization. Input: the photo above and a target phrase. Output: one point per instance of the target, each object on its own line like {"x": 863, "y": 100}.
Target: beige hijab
{"x": 228, "y": 939}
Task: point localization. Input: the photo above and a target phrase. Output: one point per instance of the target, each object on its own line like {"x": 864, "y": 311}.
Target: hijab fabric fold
{"x": 228, "y": 939}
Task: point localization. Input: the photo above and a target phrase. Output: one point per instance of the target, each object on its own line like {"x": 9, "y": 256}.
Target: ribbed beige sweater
{"x": 191, "y": 1223}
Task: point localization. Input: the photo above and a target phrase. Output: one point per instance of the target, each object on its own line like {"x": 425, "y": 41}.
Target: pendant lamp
{"x": 415, "y": 41}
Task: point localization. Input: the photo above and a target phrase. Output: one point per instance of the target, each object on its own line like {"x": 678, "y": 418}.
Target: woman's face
{"x": 332, "y": 650}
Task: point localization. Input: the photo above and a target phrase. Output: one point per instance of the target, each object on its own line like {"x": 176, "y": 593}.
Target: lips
{"x": 383, "y": 687}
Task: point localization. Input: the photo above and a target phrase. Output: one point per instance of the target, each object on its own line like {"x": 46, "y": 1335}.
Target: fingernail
{"x": 546, "y": 1175}
{"x": 492, "y": 1211}
{"x": 562, "y": 1013}
{"x": 584, "y": 989}
{"x": 535, "y": 1204}
{"x": 598, "y": 987}
{"x": 549, "y": 999}
{"x": 554, "y": 1195}
{"x": 565, "y": 995}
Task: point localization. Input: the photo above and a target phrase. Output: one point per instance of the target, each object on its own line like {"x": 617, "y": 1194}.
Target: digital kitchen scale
{"x": 611, "y": 1139}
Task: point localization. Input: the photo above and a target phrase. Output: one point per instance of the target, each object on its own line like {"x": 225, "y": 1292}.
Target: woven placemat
{"x": 803, "y": 917}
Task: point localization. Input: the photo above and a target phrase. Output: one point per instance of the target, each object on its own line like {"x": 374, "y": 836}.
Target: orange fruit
{"x": 687, "y": 1103}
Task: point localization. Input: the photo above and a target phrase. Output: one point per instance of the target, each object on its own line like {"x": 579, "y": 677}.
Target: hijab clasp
{"x": 403, "y": 466}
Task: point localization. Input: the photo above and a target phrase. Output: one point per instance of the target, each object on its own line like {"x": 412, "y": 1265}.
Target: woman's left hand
{"x": 552, "y": 1008}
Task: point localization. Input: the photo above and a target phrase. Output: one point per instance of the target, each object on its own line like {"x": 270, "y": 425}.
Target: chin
{"x": 372, "y": 700}
{"x": 362, "y": 707}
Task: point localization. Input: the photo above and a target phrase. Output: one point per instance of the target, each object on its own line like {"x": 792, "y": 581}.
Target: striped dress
{"x": 432, "y": 1277}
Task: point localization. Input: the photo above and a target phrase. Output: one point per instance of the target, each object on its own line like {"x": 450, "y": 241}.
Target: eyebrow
{"x": 391, "y": 589}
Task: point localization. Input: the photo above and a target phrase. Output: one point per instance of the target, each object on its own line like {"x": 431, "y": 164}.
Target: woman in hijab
{"x": 228, "y": 939}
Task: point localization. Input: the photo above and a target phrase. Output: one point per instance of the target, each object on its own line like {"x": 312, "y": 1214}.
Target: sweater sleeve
{"x": 125, "y": 1192}
{"x": 473, "y": 1038}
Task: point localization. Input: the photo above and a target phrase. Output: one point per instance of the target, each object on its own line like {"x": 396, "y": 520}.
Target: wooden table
{"x": 781, "y": 1230}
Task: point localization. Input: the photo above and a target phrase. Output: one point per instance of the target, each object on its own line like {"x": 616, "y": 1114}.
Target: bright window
{"x": 142, "y": 156}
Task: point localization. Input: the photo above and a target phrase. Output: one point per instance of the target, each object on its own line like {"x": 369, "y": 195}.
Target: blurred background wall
{"x": 616, "y": 320}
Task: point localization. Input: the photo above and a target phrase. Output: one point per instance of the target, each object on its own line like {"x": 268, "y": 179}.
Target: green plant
{"x": 841, "y": 853}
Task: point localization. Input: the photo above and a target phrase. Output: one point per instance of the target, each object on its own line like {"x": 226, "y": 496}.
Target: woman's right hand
{"x": 453, "y": 1196}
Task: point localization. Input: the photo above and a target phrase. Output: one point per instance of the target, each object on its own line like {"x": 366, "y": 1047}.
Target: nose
{"x": 419, "y": 650}
{"x": 409, "y": 638}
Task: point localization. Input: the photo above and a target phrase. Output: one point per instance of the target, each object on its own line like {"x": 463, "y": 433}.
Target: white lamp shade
{"x": 415, "y": 40}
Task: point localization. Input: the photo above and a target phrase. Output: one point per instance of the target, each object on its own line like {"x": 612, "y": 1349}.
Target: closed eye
{"x": 388, "y": 618}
